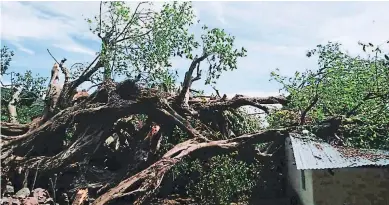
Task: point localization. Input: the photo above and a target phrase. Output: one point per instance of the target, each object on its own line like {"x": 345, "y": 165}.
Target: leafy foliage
{"x": 6, "y": 58}
{"x": 282, "y": 118}
{"x": 218, "y": 180}
{"x": 242, "y": 123}
{"x": 29, "y": 104}
{"x": 142, "y": 40}
{"x": 219, "y": 46}
{"x": 140, "y": 43}
{"x": 353, "y": 87}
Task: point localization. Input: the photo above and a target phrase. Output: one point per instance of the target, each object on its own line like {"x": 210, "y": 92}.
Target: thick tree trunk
{"x": 52, "y": 94}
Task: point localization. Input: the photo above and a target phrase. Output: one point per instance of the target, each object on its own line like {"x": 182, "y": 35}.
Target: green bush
{"x": 219, "y": 180}
{"x": 225, "y": 180}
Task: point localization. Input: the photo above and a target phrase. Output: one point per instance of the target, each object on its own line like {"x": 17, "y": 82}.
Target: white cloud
{"x": 55, "y": 23}
{"x": 24, "y": 49}
{"x": 218, "y": 9}
{"x": 255, "y": 47}
{"x": 306, "y": 24}
{"x": 23, "y": 22}
{"x": 215, "y": 8}
{"x": 278, "y": 34}
{"x": 74, "y": 47}
{"x": 369, "y": 25}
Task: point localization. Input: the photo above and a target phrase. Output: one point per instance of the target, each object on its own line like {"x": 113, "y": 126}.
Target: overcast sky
{"x": 276, "y": 35}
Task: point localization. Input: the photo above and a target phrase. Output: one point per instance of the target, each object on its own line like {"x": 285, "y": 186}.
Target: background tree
{"x": 24, "y": 92}
{"x": 353, "y": 87}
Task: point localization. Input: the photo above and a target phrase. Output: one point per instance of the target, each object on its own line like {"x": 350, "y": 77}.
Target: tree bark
{"x": 13, "y": 115}
{"x": 183, "y": 97}
{"x": 53, "y": 92}
{"x": 13, "y": 129}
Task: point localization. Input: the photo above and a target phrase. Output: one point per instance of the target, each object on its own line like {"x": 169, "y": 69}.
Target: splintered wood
{"x": 81, "y": 196}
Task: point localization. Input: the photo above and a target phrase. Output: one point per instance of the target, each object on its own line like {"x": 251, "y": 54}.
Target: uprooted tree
{"x": 344, "y": 101}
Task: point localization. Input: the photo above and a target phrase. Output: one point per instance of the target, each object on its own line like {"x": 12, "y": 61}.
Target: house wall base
{"x": 351, "y": 186}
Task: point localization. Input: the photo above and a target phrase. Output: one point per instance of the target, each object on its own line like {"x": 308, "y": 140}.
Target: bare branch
{"x": 113, "y": 62}
{"x": 71, "y": 67}
{"x": 88, "y": 72}
{"x": 134, "y": 36}
{"x": 53, "y": 56}
{"x": 130, "y": 21}
{"x": 239, "y": 101}
{"x": 99, "y": 34}
{"x": 13, "y": 115}
{"x": 257, "y": 113}
{"x": 198, "y": 76}
{"x": 93, "y": 86}
{"x": 183, "y": 97}
{"x": 304, "y": 113}
{"x": 195, "y": 91}
{"x": 64, "y": 70}
{"x": 57, "y": 122}
{"x": 182, "y": 123}
{"x": 217, "y": 91}
{"x": 90, "y": 65}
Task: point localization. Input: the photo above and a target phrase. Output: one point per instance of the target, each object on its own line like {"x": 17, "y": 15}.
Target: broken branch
{"x": 13, "y": 115}
{"x": 239, "y": 101}
{"x": 183, "y": 97}
{"x": 304, "y": 113}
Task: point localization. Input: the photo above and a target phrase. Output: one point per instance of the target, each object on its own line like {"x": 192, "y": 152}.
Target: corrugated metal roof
{"x": 311, "y": 153}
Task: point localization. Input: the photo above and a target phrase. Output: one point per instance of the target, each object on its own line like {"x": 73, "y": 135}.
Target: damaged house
{"x": 322, "y": 174}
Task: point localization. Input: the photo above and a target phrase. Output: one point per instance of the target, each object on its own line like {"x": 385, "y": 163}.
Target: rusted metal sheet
{"x": 311, "y": 153}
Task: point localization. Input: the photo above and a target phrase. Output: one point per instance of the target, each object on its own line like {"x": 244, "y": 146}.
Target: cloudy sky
{"x": 276, "y": 35}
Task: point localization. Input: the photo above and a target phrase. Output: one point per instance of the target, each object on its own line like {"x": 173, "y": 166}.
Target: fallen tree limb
{"x": 306, "y": 110}
{"x": 13, "y": 129}
{"x": 239, "y": 101}
{"x": 81, "y": 147}
{"x": 147, "y": 181}
{"x": 43, "y": 135}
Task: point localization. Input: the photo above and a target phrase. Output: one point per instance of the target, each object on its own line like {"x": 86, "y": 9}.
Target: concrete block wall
{"x": 351, "y": 186}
